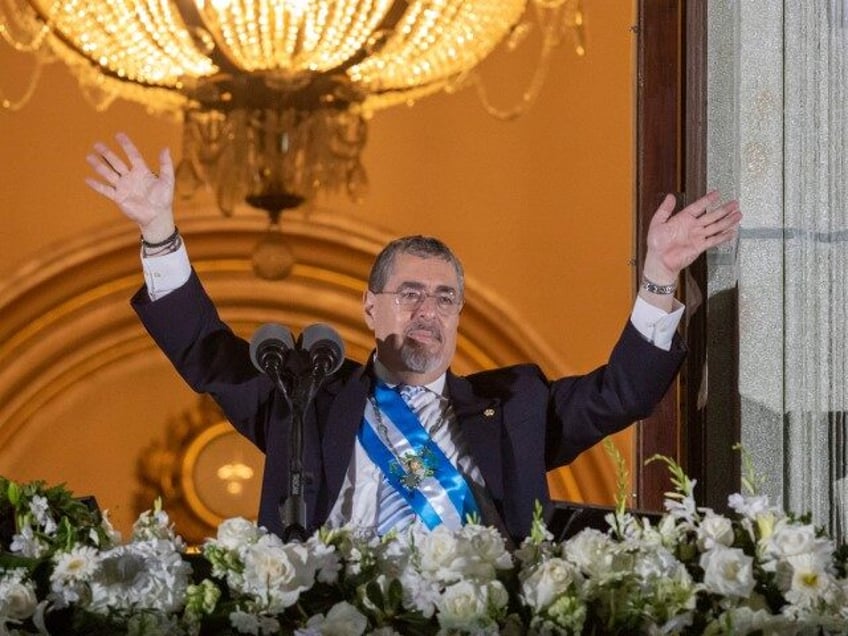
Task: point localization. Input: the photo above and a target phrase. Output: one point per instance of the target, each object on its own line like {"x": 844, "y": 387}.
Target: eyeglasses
{"x": 411, "y": 299}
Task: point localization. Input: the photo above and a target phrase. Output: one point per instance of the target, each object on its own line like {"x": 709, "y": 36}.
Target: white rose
{"x": 463, "y": 606}
{"x": 792, "y": 540}
{"x": 277, "y": 573}
{"x": 438, "y": 552}
{"x": 728, "y": 571}
{"x": 237, "y": 532}
{"x": 547, "y": 581}
{"x": 591, "y": 551}
{"x": 343, "y": 619}
{"x": 653, "y": 562}
{"x": 714, "y": 530}
{"x": 487, "y": 549}
{"x": 17, "y": 599}
{"x": 498, "y": 596}
{"x": 420, "y": 593}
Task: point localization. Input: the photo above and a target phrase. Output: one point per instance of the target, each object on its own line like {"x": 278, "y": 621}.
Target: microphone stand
{"x": 305, "y": 379}
{"x": 304, "y": 369}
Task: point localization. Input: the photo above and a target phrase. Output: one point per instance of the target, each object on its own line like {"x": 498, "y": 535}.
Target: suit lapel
{"x": 481, "y": 421}
{"x": 342, "y": 425}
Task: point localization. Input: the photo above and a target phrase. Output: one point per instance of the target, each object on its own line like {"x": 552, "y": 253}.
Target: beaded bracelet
{"x": 172, "y": 237}
{"x": 168, "y": 246}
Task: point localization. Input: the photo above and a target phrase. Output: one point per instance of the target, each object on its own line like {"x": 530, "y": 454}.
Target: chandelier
{"x": 274, "y": 95}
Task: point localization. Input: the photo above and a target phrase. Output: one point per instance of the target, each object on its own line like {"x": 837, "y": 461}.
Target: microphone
{"x": 324, "y": 347}
{"x": 268, "y": 348}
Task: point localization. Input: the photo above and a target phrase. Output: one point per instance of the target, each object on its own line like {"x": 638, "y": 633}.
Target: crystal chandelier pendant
{"x": 272, "y": 256}
{"x": 274, "y": 145}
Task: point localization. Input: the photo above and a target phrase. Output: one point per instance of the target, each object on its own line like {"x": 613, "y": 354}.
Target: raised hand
{"x": 674, "y": 242}
{"x": 141, "y": 195}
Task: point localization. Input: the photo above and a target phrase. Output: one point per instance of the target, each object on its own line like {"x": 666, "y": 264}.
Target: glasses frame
{"x": 460, "y": 303}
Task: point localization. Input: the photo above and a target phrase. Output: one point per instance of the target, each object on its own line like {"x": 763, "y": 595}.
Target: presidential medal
{"x": 414, "y": 467}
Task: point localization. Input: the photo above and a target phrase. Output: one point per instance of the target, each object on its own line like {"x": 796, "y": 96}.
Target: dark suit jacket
{"x": 518, "y": 424}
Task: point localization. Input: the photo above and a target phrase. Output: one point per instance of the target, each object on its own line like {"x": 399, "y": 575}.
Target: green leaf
{"x": 395, "y": 594}
{"x": 375, "y": 594}
{"x": 11, "y": 561}
{"x": 13, "y": 492}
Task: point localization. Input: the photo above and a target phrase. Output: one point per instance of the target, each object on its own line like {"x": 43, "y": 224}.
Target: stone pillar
{"x": 778, "y": 139}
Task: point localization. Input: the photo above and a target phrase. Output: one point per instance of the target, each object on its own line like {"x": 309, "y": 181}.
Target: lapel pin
{"x": 489, "y": 412}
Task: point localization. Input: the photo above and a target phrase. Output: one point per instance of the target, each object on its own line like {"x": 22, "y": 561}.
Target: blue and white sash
{"x": 413, "y": 463}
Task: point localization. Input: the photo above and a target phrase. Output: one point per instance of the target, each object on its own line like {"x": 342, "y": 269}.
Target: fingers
{"x": 721, "y": 219}
{"x": 664, "y": 211}
{"x": 102, "y": 167}
{"x": 109, "y": 164}
{"x": 699, "y": 208}
{"x": 136, "y": 160}
{"x": 100, "y": 188}
{"x": 166, "y": 166}
{"x": 110, "y": 159}
{"x": 720, "y": 238}
{"x": 119, "y": 175}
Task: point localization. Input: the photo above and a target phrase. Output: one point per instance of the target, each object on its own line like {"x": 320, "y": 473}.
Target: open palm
{"x": 675, "y": 241}
{"x": 141, "y": 195}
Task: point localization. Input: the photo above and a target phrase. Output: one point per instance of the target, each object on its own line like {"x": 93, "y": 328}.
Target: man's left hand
{"x": 676, "y": 240}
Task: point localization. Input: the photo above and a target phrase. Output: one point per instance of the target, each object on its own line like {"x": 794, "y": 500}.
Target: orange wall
{"x": 540, "y": 210}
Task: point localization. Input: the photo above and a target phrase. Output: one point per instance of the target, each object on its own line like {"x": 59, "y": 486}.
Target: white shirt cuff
{"x": 164, "y": 274}
{"x": 657, "y": 326}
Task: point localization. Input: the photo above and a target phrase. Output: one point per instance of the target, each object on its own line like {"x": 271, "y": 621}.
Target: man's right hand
{"x": 141, "y": 195}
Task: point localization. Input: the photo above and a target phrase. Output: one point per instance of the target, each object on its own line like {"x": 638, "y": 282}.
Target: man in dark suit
{"x": 401, "y": 439}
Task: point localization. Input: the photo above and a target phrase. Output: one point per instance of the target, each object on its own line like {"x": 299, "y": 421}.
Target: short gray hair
{"x": 422, "y": 246}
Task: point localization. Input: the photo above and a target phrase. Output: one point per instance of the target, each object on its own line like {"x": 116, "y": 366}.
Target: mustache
{"x": 432, "y": 329}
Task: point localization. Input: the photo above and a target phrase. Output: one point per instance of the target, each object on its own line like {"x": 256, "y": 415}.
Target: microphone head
{"x": 324, "y": 341}
{"x": 269, "y": 337}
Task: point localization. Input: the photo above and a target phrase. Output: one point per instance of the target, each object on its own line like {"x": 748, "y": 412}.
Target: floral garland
{"x": 759, "y": 570}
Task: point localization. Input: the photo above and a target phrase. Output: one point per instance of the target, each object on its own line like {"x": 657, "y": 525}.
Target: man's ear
{"x": 368, "y": 308}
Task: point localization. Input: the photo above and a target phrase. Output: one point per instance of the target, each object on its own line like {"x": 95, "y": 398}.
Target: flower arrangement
{"x": 758, "y": 570}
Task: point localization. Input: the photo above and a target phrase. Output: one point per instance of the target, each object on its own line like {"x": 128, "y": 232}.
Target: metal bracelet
{"x": 654, "y": 288}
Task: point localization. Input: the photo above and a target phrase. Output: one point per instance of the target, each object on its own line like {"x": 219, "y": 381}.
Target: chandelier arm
{"x": 37, "y": 36}
{"x": 23, "y": 100}
{"x": 528, "y": 97}
{"x": 551, "y": 39}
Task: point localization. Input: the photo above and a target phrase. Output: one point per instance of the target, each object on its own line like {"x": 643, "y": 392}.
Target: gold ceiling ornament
{"x": 275, "y": 94}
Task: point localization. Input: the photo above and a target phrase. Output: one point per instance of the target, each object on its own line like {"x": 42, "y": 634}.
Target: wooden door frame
{"x": 671, "y": 157}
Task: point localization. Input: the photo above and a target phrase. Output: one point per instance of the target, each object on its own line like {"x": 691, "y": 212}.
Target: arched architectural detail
{"x": 66, "y": 317}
